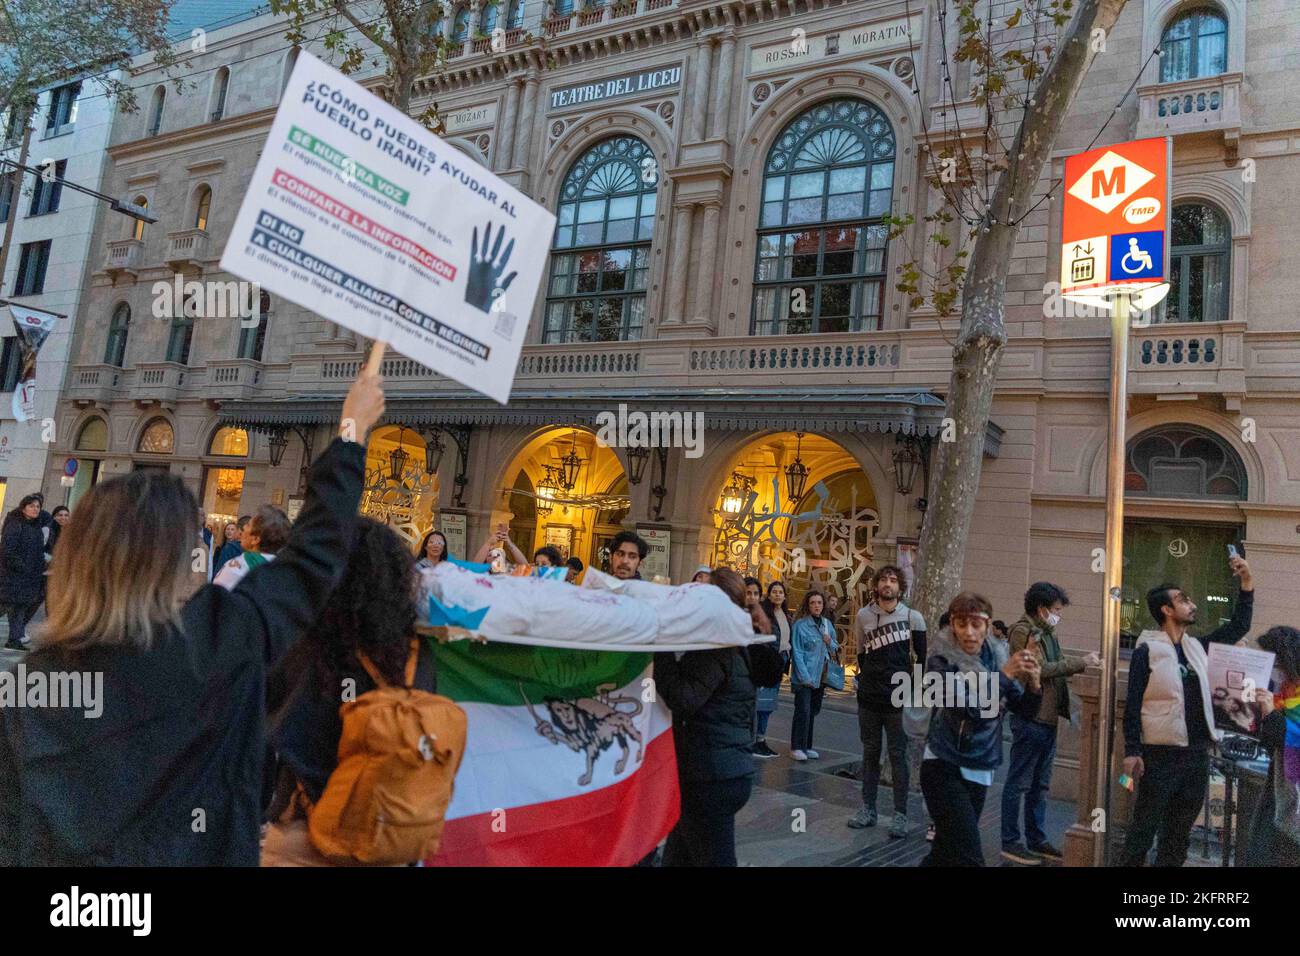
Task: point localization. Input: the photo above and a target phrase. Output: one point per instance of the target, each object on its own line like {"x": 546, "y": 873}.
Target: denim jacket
{"x": 809, "y": 652}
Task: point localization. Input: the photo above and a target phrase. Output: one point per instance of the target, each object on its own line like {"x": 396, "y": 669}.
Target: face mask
{"x": 1053, "y": 619}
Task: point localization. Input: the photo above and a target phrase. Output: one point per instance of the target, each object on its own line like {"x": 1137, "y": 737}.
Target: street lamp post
{"x": 1119, "y": 319}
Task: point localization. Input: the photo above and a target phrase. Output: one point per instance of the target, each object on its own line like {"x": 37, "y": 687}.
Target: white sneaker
{"x": 799, "y": 755}
{"x": 812, "y": 754}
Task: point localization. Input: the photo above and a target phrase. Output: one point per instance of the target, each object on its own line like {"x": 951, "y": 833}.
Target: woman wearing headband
{"x": 964, "y": 743}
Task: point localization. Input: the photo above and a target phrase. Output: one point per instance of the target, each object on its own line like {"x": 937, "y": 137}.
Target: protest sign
{"x": 33, "y": 327}
{"x": 358, "y": 213}
{"x": 1236, "y": 675}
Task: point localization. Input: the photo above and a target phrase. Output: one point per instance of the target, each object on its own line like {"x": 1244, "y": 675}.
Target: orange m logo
{"x": 1101, "y": 186}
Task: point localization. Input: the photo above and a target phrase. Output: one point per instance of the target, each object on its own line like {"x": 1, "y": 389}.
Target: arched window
{"x": 202, "y": 207}
{"x": 229, "y": 442}
{"x": 252, "y": 338}
{"x": 220, "y": 86}
{"x": 137, "y": 225}
{"x": 601, "y": 252}
{"x": 563, "y": 7}
{"x": 93, "y": 436}
{"x": 118, "y": 326}
{"x": 460, "y": 25}
{"x": 1199, "y": 259}
{"x": 828, "y": 181}
{"x": 487, "y": 19}
{"x": 182, "y": 332}
{"x": 1184, "y": 461}
{"x": 156, "y": 111}
{"x": 290, "y": 61}
{"x": 516, "y": 18}
{"x": 1195, "y": 43}
{"x": 157, "y": 438}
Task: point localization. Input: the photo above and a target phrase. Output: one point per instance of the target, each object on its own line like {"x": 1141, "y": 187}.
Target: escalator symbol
{"x": 1083, "y": 269}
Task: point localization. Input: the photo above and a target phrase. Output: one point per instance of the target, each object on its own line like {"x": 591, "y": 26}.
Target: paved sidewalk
{"x": 770, "y": 831}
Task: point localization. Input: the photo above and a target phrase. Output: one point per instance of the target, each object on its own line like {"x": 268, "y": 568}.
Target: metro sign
{"x": 1115, "y": 218}
{"x": 1109, "y": 181}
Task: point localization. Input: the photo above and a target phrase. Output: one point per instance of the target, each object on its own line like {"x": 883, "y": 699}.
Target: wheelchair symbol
{"x": 1141, "y": 259}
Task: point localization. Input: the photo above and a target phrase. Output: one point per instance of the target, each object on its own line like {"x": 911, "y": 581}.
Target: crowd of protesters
{"x": 233, "y": 689}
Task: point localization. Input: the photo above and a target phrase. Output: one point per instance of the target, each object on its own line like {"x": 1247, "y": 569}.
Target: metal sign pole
{"x": 1114, "y": 566}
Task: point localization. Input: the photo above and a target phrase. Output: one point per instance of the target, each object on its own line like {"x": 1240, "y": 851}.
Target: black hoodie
{"x": 170, "y": 773}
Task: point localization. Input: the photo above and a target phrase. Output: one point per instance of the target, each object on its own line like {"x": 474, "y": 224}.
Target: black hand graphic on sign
{"x": 485, "y": 282}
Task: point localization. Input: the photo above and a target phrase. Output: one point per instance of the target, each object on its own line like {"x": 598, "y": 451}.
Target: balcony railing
{"x": 95, "y": 384}
{"x": 875, "y": 358}
{"x": 189, "y": 247}
{"x": 1179, "y": 357}
{"x": 390, "y": 368}
{"x": 1211, "y": 103}
{"x": 124, "y": 255}
{"x": 158, "y": 381}
{"x": 233, "y": 379}
{"x": 557, "y": 25}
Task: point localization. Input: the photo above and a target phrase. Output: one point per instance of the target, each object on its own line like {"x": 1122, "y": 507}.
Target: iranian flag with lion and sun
{"x": 569, "y": 759}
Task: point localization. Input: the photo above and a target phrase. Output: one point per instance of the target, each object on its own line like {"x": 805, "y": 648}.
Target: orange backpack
{"x": 398, "y": 755}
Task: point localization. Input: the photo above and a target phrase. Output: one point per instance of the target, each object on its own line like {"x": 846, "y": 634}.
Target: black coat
{"x": 1266, "y": 845}
{"x": 22, "y": 562}
{"x": 711, "y": 696}
{"x": 170, "y": 773}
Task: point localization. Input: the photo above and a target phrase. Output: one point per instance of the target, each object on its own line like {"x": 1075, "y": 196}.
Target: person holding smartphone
{"x": 1169, "y": 718}
{"x": 500, "y": 541}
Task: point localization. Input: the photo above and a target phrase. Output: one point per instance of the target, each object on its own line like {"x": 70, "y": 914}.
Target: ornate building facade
{"x": 720, "y": 172}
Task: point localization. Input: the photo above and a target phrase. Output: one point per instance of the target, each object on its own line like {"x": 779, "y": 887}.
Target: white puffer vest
{"x": 1163, "y": 714}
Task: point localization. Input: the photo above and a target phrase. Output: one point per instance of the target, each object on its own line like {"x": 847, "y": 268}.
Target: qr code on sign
{"x": 505, "y": 324}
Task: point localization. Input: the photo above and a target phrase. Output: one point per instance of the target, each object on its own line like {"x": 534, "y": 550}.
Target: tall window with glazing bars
{"x": 827, "y": 183}
{"x": 600, "y": 256}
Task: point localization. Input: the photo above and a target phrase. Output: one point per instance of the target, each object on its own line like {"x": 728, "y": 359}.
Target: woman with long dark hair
{"x": 774, "y": 607}
{"x": 180, "y": 680}
{"x": 369, "y": 615}
{"x": 711, "y": 696}
{"x": 433, "y": 551}
{"x": 1274, "y": 838}
{"x": 59, "y": 517}
{"x": 22, "y": 568}
{"x": 812, "y": 647}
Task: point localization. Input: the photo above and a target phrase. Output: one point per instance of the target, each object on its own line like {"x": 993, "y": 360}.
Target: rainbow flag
{"x": 1289, "y": 703}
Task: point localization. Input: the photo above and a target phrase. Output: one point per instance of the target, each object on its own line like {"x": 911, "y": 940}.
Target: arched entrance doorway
{"x": 566, "y": 490}
{"x": 1172, "y": 473}
{"x": 799, "y": 509}
{"x": 399, "y": 490}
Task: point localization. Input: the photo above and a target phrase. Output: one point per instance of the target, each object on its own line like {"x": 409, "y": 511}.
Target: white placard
{"x": 1237, "y": 675}
{"x": 360, "y": 214}
{"x": 452, "y": 524}
{"x": 655, "y": 565}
